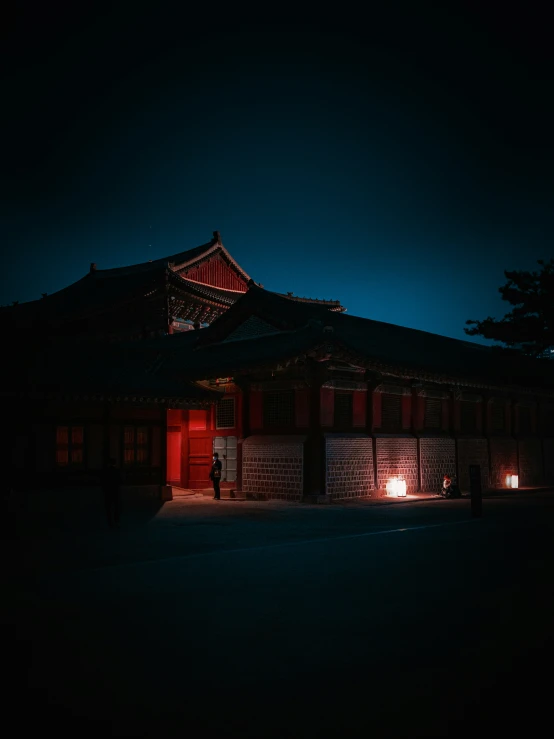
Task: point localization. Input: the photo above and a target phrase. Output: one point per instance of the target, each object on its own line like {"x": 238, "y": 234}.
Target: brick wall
{"x": 272, "y": 467}
{"x": 548, "y": 451}
{"x": 473, "y": 451}
{"x": 349, "y": 465}
{"x": 397, "y": 457}
{"x": 503, "y": 460}
{"x": 437, "y": 458}
{"x": 530, "y": 462}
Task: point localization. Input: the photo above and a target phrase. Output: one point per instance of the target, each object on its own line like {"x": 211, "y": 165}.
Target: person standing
{"x": 215, "y": 475}
{"x": 111, "y": 485}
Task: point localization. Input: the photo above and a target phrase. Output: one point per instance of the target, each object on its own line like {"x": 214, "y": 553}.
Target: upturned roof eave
{"x": 384, "y": 368}
{"x": 190, "y": 287}
{"x": 405, "y": 372}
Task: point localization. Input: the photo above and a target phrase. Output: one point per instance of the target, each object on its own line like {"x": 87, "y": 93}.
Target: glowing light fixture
{"x": 396, "y": 487}
{"x": 512, "y": 481}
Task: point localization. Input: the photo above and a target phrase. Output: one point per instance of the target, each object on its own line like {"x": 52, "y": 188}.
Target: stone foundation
{"x": 272, "y": 467}
{"x": 437, "y": 458}
{"x": 349, "y": 466}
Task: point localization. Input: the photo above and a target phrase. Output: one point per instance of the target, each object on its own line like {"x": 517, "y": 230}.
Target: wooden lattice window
{"x": 433, "y": 413}
{"x": 225, "y": 414}
{"x": 70, "y": 445}
{"x": 468, "y": 417}
{"x": 136, "y": 445}
{"x": 343, "y": 409}
{"x": 498, "y": 416}
{"x": 278, "y": 408}
{"x": 524, "y": 421}
{"x": 391, "y": 412}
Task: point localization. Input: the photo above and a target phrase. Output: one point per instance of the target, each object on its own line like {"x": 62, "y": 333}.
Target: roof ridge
{"x": 472, "y": 344}
{"x": 162, "y": 261}
{"x": 348, "y": 317}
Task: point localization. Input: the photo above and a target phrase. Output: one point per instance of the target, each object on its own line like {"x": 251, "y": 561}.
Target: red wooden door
{"x": 174, "y": 457}
{"x": 200, "y": 462}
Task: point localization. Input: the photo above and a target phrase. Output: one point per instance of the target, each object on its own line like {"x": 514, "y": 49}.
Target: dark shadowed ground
{"x": 269, "y": 619}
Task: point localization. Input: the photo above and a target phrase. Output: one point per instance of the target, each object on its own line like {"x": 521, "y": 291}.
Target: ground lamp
{"x": 396, "y": 487}
{"x": 512, "y": 481}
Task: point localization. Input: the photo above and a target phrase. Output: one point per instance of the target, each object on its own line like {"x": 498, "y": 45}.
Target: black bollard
{"x": 476, "y": 491}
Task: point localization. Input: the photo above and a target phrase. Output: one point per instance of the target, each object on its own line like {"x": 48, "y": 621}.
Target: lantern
{"x": 396, "y": 487}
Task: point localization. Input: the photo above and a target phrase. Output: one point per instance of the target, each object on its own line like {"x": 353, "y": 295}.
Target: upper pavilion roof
{"x": 206, "y": 272}
{"x": 183, "y": 259}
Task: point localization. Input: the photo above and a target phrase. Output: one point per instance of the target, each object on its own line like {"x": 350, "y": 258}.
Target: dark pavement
{"x": 268, "y": 619}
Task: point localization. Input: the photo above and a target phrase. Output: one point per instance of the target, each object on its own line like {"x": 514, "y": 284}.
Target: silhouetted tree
{"x": 529, "y": 326}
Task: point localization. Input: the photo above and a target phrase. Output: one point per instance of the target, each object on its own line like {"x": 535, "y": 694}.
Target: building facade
{"x": 315, "y": 416}
{"x": 301, "y": 400}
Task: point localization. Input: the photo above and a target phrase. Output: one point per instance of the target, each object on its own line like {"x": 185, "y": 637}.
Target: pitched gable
{"x": 270, "y": 312}
{"x": 216, "y": 271}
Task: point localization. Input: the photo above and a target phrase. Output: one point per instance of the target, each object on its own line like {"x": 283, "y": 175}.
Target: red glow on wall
{"x": 197, "y": 420}
{"x": 174, "y": 457}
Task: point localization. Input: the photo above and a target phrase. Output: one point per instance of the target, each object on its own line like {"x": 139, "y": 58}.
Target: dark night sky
{"x": 399, "y": 162}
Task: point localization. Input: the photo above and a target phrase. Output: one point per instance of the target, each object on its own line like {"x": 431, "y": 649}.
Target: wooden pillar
{"x": 369, "y": 408}
{"x": 457, "y": 412}
{"x": 376, "y": 412}
{"x": 446, "y": 415}
{"x": 245, "y": 389}
{"x": 372, "y": 383}
{"x": 106, "y": 434}
{"x": 185, "y": 449}
{"x": 487, "y": 414}
{"x": 512, "y": 417}
{"x": 406, "y": 409}
{"x": 243, "y": 404}
{"x": 163, "y": 446}
{"x": 418, "y": 409}
{"x": 479, "y": 420}
{"x": 255, "y": 410}
{"x": 314, "y": 449}
{"x": 533, "y": 418}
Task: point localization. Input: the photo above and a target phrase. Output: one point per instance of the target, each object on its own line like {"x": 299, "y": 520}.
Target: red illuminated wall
{"x": 191, "y": 456}
{"x": 216, "y": 272}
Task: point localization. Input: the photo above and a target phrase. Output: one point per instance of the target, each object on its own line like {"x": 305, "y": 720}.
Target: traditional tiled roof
{"x": 333, "y": 305}
{"x": 95, "y": 370}
{"x": 182, "y": 259}
{"x": 106, "y": 291}
{"x": 218, "y": 360}
{"x": 385, "y": 348}
{"x": 91, "y": 294}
